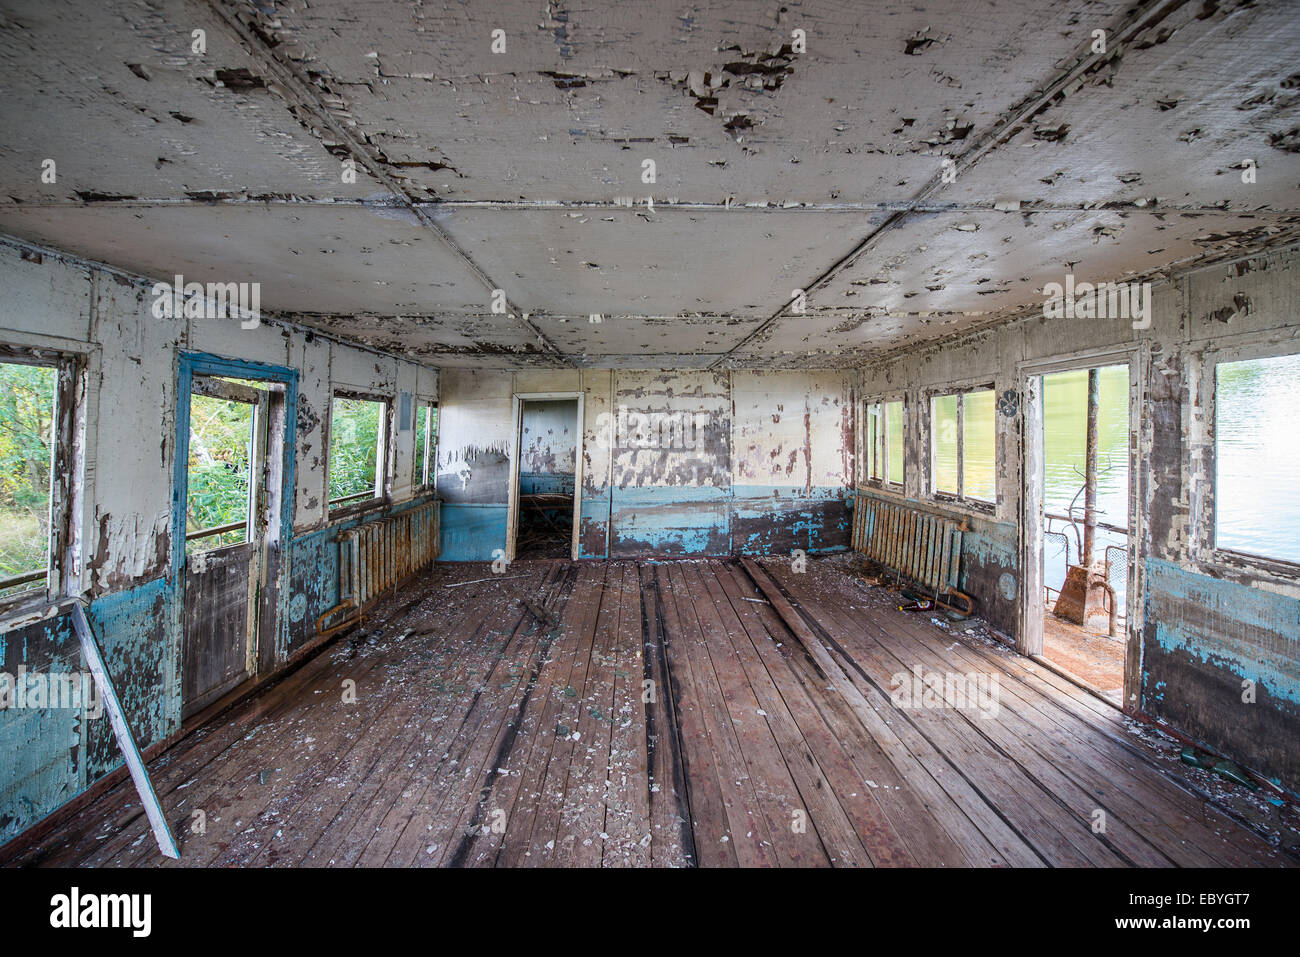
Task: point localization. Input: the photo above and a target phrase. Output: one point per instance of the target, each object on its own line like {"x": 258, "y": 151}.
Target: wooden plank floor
{"x": 661, "y": 715}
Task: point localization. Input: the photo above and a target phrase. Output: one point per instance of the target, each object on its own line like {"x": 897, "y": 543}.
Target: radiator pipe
{"x": 1114, "y": 607}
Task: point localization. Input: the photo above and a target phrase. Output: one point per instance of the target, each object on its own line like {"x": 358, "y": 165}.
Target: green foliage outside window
{"x": 220, "y": 436}
{"x": 26, "y": 431}
{"x": 354, "y": 443}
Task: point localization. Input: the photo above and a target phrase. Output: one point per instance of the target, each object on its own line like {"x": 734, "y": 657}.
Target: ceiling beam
{"x": 1140, "y": 18}
{"x": 755, "y": 208}
{"x": 286, "y": 74}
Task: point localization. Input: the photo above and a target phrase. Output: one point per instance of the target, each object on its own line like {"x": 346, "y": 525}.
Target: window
{"x": 39, "y": 455}
{"x": 963, "y": 446}
{"x": 944, "y": 415}
{"x": 358, "y": 449}
{"x": 27, "y": 414}
{"x": 1256, "y": 494}
{"x": 226, "y": 460}
{"x": 426, "y": 443}
{"x": 884, "y": 445}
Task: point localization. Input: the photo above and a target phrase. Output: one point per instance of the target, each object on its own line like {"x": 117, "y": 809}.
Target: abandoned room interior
{"x": 661, "y": 434}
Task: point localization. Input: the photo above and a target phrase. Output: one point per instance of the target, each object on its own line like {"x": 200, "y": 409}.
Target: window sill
{"x": 964, "y": 506}
{"x": 29, "y": 608}
{"x": 1227, "y": 564}
{"x": 359, "y": 509}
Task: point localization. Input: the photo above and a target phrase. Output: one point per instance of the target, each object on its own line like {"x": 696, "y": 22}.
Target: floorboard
{"x": 675, "y": 714}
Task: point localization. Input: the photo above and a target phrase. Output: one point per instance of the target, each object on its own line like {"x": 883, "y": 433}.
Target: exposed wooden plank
{"x": 796, "y": 841}
{"x": 535, "y": 821}
{"x": 1024, "y": 743}
{"x": 708, "y": 802}
{"x": 463, "y": 809}
{"x": 459, "y": 752}
{"x": 977, "y": 817}
{"x": 627, "y": 780}
{"x": 358, "y": 810}
{"x": 825, "y": 814}
{"x": 482, "y": 829}
{"x": 579, "y": 842}
{"x": 762, "y": 708}
{"x": 1177, "y": 823}
{"x": 197, "y": 802}
{"x": 915, "y": 815}
{"x": 745, "y": 826}
{"x": 670, "y": 814}
{"x": 374, "y": 838}
{"x": 1050, "y": 810}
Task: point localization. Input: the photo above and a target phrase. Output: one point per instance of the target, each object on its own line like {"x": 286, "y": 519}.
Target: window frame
{"x": 959, "y": 497}
{"x": 383, "y": 454}
{"x": 62, "y": 573}
{"x": 1208, "y": 549}
{"x": 224, "y": 390}
{"x": 421, "y": 483}
{"x": 882, "y": 481}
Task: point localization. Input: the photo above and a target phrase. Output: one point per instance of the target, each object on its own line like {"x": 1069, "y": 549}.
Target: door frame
{"x": 257, "y": 525}
{"x": 1029, "y": 375}
{"x": 189, "y": 365}
{"x": 512, "y": 510}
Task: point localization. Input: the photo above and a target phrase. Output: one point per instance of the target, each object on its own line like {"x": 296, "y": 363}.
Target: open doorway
{"x": 1085, "y": 523}
{"x": 233, "y": 442}
{"x": 1080, "y": 530}
{"x": 546, "y": 477}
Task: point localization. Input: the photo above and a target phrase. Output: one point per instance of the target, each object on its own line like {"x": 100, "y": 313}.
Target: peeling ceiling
{"x": 380, "y": 170}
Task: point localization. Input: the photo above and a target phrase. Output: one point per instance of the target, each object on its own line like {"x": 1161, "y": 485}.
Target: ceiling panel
{"x": 665, "y": 262}
{"x": 113, "y": 93}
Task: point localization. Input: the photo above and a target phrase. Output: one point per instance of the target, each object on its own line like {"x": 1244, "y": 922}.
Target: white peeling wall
{"x": 71, "y": 306}
{"x": 792, "y": 429}
{"x": 700, "y": 494}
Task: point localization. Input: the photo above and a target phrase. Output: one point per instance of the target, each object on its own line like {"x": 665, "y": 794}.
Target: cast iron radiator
{"x": 919, "y": 546}
{"x": 377, "y": 556}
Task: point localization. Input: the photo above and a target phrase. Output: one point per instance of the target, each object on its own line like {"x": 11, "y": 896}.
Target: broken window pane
{"x": 26, "y": 449}
{"x": 1257, "y": 495}
{"x": 979, "y": 438}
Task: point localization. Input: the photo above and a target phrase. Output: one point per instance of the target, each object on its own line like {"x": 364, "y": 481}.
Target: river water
{"x": 1065, "y": 423}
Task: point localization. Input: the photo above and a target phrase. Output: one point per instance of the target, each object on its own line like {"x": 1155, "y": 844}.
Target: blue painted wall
{"x": 472, "y": 531}
{"x": 672, "y": 521}
{"x": 669, "y": 520}
{"x": 314, "y": 576}
{"x": 1204, "y": 638}
{"x": 775, "y": 520}
{"x": 660, "y": 476}
{"x": 49, "y": 755}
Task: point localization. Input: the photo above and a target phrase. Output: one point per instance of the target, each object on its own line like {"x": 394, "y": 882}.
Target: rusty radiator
{"x": 377, "y": 556}
{"x": 920, "y": 547}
